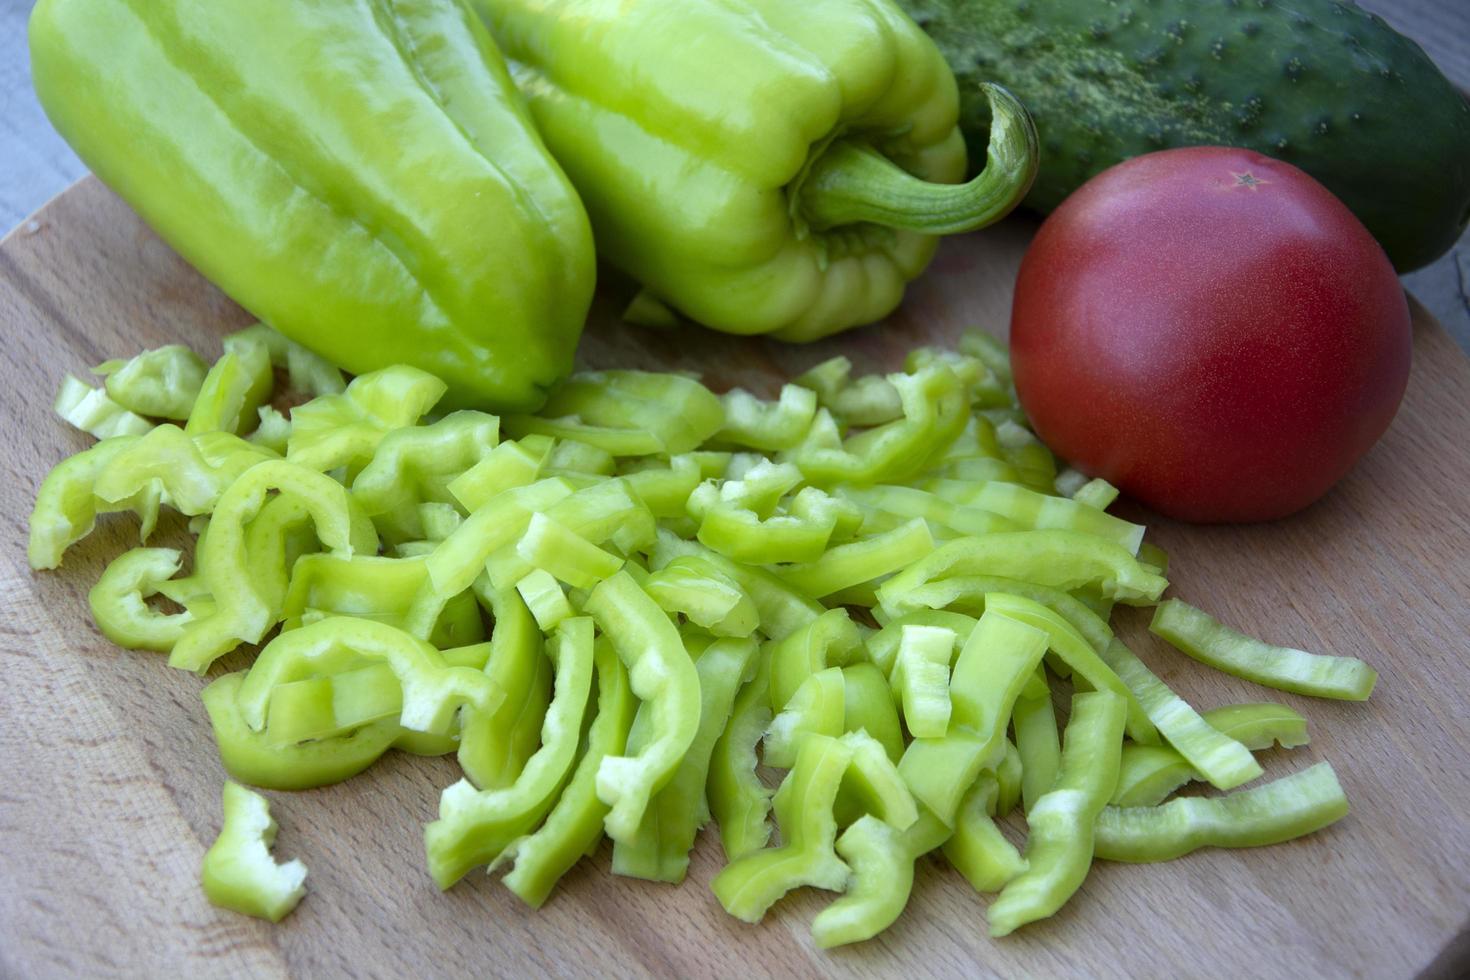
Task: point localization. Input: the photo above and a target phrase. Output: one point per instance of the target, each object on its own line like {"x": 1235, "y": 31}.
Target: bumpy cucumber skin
{"x": 1321, "y": 84}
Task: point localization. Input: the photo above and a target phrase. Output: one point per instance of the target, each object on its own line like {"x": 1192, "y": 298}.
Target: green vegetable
{"x": 1278, "y": 811}
{"x": 738, "y": 800}
{"x": 268, "y": 172}
{"x": 1324, "y": 85}
{"x": 921, "y": 679}
{"x": 1037, "y": 743}
{"x": 239, "y": 872}
{"x": 882, "y": 877}
{"x": 161, "y": 383}
{"x": 94, "y": 412}
{"x": 798, "y": 215}
{"x": 1196, "y": 633}
{"x": 1059, "y": 847}
{"x": 976, "y": 849}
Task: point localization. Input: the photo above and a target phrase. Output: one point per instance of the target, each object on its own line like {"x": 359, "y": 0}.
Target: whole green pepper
{"x": 761, "y": 166}
{"x": 373, "y": 189}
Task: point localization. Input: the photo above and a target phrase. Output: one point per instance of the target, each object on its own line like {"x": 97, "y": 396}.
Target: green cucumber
{"x": 1321, "y": 84}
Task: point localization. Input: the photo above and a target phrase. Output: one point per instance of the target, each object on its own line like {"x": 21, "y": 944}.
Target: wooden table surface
{"x": 109, "y": 781}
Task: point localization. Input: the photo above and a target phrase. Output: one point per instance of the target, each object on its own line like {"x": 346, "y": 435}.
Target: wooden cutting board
{"x": 109, "y": 782}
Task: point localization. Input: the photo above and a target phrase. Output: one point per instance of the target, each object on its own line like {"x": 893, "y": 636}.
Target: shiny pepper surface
{"x": 360, "y": 174}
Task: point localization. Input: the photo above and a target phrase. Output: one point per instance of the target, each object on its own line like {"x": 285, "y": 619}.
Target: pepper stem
{"x": 852, "y": 182}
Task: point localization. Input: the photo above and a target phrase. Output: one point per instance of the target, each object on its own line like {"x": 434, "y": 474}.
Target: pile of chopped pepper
{"x": 630, "y": 614}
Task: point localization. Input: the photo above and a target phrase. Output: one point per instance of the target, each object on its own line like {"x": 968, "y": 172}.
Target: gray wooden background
{"x": 35, "y": 164}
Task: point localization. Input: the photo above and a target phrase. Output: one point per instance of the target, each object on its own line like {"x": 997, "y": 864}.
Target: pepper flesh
{"x": 239, "y": 872}
{"x": 267, "y": 174}
{"x": 118, "y": 606}
{"x": 738, "y": 800}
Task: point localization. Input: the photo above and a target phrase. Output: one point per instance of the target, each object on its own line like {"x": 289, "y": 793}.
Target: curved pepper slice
{"x": 233, "y": 390}
{"x": 951, "y": 519}
{"x": 161, "y": 383}
{"x": 307, "y": 372}
{"x": 94, "y": 412}
{"x": 1059, "y": 847}
{"x": 831, "y": 639}
{"x": 433, "y": 691}
{"x": 1201, "y": 636}
{"x": 192, "y": 471}
{"x": 1281, "y": 810}
{"x": 566, "y": 555}
{"x": 66, "y": 509}
{"x": 1060, "y": 559}
{"x": 664, "y": 679}
{"x": 239, "y": 872}
{"x": 514, "y": 463}
{"x": 1149, "y": 773}
{"x": 659, "y": 851}
{"x": 868, "y": 400}
{"x": 1096, "y": 493}
{"x": 769, "y": 426}
{"x": 751, "y": 884}
{"x": 570, "y": 457}
{"x": 984, "y": 388}
{"x": 999, "y": 658}
{"x": 460, "y": 558}
{"x": 934, "y": 412}
{"x": 665, "y": 488}
{"x": 475, "y": 826}
{"x": 921, "y": 679}
{"x": 544, "y": 596}
{"x": 783, "y": 611}
{"x": 882, "y": 876}
{"x": 568, "y": 531}
{"x": 709, "y": 598}
{"x": 1038, "y": 745}
{"x": 868, "y": 707}
{"x": 818, "y": 706}
{"x": 372, "y": 587}
{"x": 243, "y": 613}
{"x": 273, "y": 432}
{"x": 1224, "y": 762}
{"x": 1030, "y": 509}
{"x": 345, "y": 429}
{"x": 857, "y": 562}
{"x": 574, "y": 825}
{"x": 118, "y": 605}
{"x": 739, "y": 802}
{"x": 977, "y": 849}
{"x": 873, "y": 785}
{"x": 494, "y": 745}
{"x": 1008, "y": 780}
{"x": 627, "y": 413}
{"x": 883, "y": 645}
{"x": 411, "y": 464}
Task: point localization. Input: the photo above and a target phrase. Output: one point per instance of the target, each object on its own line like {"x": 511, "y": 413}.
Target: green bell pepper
{"x": 738, "y": 800}
{"x": 119, "y": 606}
{"x": 977, "y": 849}
{"x": 239, "y": 872}
{"x": 94, "y": 412}
{"x": 161, "y": 383}
{"x": 463, "y": 251}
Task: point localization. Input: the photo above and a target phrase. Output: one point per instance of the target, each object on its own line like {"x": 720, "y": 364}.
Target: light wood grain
{"x": 109, "y": 783}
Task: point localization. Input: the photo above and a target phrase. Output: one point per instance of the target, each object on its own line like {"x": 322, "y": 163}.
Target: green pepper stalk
{"x": 787, "y": 168}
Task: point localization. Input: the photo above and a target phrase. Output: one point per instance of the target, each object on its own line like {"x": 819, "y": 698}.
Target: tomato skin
{"x": 1211, "y": 331}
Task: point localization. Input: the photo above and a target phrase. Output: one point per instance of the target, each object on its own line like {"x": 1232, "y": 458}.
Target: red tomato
{"x": 1211, "y": 331}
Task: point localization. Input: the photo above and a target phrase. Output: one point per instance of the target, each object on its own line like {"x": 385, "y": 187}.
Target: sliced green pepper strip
{"x": 627, "y": 413}
{"x": 233, "y": 390}
{"x": 193, "y": 472}
{"x": 119, "y": 606}
{"x": 977, "y": 849}
{"x": 1096, "y": 493}
{"x": 410, "y": 463}
{"x": 494, "y": 745}
{"x": 870, "y": 400}
{"x": 694, "y": 587}
{"x": 873, "y": 785}
{"x": 739, "y": 802}
{"x": 273, "y": 432}
{"x": 570, "y": 456}
{"x": 243, "y": 613}
{"x": 1220, "y": 759}
{"x": 307, "y": 372}
{"x": 543, "y": 595}
{"x": 1059, "y": 847}
{"x": 744, "y": 536}
{"x": 868, "y": 707}
{"x": 665, "y": 490}
{"x": 664, "y": 679}
{"x": 659, "y": 851}
{"x": 782, "y": 609}
{"x": 1149, "y": 773}
{"x": 1059, "y": 559}
{"x": 1008, "y": 777}
{"x": 769, "y": 426}
{"x": 819, "y": 705}
{"x": 279, "y": 535}
{"x": 603, "y": 512}
{"x": 1201, "y": 636}
{"x": 161, "y": 383}
{"x": 1281, "y": 810}
{"x": 336, "y": 704}
{"x": 921, "y": 679}
{"x": 966, "y": 594}
{"x": 982, "y": 387}
{"x": 438, "y": 520}
{"x": 1037, "y": 742}
{"x": 883, "y": 645}
{"x": 94, "y": 412}
{"x": 998, "y": 659}
{"x": 1072, "y": 647}
{"x": 1155, "y": 556}
{"x": 572, "y": 559}
{"x": 239, "y": 873}
{"x": 433, "y": 691}
{"x": 383, "y": 589}
{"x": 852, "y": 564}
{"x": 66, "y": 508}
{"x": 882, "y": 876}
{"x": 1019, "y": 445}
{"x": 476, "y": 826}
{"x": 574, "y": 825}
{"x": 990, "y": 350}
{"x": 345, "y": 429}
{"x": 510, "y": 464}
{"x": 461, "y": 557}
{"x": 253, "y": 757}
{"x": 751, "y": 884}
{"x": 910, "y": 502}
{"x": 1030, "y": 509}
{"x": 831, "y": 639}
{"x": 934, "y": 412}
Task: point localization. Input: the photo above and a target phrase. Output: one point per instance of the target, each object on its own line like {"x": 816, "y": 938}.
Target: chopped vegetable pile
{"x": 877, "y": 584}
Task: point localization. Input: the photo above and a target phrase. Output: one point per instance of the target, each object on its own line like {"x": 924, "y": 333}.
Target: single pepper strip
{"x": 921, "y": 679}
{"x": 868, "y": 707}
{"x": 819, "y": 706}
{"x": 118, "y": 600}
{"x": 1278, "y": 811}
{"x": 976, "y": 849}
{"x": 1059, "y": 848}
{"x": 847, "y": 565}
{"x": 495, "y": 745}
{"x": 882, "y": 876}
{"x": 160, "y": 383}
{"x": 738, "y": 800}
{"x": 239, "y": 872}
{"x": 1201, "y": 636}
{"x": 1037, "y": 741}
{"x": 664, "y": 679}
